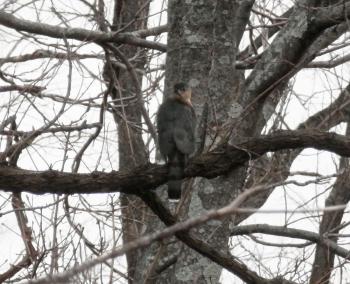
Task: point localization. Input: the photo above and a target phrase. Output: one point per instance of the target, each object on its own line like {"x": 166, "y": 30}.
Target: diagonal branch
{"x": 288, "y": 54}
{"x": 226, "y": 261}
{"x": 180, "y": 229}
{"x": 10, "y": 21}
{"x": 337, "y": 112}
{"x": 27, "y": 237}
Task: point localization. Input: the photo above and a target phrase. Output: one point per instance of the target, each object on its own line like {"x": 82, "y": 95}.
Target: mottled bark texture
{"x": 190, "y": 32}
{"x": 223, "y": 89}
{"x": 202, "y": 48}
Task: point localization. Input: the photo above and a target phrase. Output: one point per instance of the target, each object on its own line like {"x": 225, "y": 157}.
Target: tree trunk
{"x": 132, "y": 150}
{"x": 202, "y": 48}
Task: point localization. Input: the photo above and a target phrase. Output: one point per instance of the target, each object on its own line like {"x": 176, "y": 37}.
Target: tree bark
{"x": 132, "y": 150}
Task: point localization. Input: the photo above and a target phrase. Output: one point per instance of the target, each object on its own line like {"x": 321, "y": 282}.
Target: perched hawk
{"x": 176, "y": 122}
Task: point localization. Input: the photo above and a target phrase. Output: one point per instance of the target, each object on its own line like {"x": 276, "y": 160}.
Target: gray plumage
{"x": 176, "y": 122}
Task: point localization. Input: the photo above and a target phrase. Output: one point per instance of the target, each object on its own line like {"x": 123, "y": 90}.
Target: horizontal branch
{"x": 47, "y": 54}
{"x": 291, "y": 233}
{"x": 10, "y": 21}
{"x": 151, "y": 31}
{"x": 218, "y": 162}
{"x": 23, "y": 88}
{"x": 250, "y": 63}
{"x": 62, "y": 128}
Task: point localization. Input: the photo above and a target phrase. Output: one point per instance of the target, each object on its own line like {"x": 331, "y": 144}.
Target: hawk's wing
{"x": 165, "y": 124}
{"x": 176, "y": 123}
{"x": 184, "y": 130}
{"x": 176, "y": 126}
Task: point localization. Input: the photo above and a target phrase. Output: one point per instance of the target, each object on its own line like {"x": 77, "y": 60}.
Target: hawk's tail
{"x": 174, "y": 189}
{"x": 175, "y": 174}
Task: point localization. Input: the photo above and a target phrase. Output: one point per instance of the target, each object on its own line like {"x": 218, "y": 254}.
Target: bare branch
{"x": 292, "y": 233}
{"x": 10, "y": 21}
{"x": 27, "y": 237}
{"x": 63, "y": 128}
{"x": 332, "y": 15}
{"x": 24, "y": 88}
{"x": 43, "y": 54}
{"x": 181, "y": 231}
{"x": 218, "y": 162}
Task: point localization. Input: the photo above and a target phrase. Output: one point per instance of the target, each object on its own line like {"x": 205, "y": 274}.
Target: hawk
{"x": 176, "y": 122}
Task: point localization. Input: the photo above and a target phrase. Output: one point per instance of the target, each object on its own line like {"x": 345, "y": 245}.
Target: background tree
{"x": 81, "y": 84}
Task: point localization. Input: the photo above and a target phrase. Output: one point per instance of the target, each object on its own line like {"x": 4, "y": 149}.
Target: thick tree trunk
{"x": 202, "y": 48}
{"x": 221, "y": 99}
{"x": 190, "y": 44}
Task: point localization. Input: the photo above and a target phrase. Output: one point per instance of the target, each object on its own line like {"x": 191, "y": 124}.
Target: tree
{"x": 78, "y": 119}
